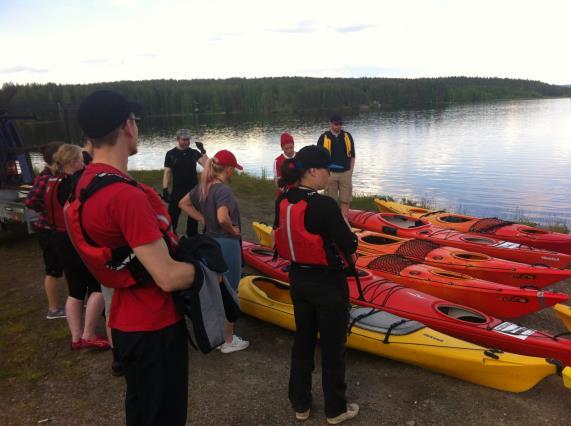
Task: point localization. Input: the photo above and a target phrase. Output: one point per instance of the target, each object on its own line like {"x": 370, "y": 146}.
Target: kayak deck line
{"x": 416, "y": 344}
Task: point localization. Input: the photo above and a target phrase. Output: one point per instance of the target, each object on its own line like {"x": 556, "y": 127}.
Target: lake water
{"x": 492, "y": 159}
{"x": 504, "y": 159}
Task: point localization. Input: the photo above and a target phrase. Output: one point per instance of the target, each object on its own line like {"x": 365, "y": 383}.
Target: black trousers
{"x": 321, "y": 305}
{"x": 174, "y": 212}
{"x": 80, "y": 282}
{"x": 156, "y": 369}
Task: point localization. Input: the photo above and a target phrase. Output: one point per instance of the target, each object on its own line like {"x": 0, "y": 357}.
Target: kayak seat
{"x": 381, "y": 321}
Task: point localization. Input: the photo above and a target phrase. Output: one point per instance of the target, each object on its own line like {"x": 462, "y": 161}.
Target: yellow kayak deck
{"x": 269, "y": 300}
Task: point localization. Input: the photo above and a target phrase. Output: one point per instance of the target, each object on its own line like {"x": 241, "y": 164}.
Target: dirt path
{"x": 40, "y": 378}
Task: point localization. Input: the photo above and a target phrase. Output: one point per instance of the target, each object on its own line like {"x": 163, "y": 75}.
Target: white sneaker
{"x": 235, "y": 345}
{"x": 352, "y": 411}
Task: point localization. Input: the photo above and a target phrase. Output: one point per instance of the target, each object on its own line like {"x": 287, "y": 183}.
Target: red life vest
{"x": 114, "y": 267}
{"x": 293, "y": 241}
{"x": 53, "y": 207}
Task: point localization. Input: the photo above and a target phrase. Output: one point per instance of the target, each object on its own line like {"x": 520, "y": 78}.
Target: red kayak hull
{"x": 477, "y": 265}
{"x": 409, "y": 227}
{"x": 453, "y": 319}
{"x": 492, "y": 298}
{"x": 500, "y": 229}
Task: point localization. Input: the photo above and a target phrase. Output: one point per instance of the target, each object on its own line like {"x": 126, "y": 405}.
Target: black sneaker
{"x": 116, "y": 369}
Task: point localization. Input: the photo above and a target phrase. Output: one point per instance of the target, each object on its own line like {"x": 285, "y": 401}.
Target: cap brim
{"x": 239, "y": 167}
{"x": 335, "y": 167}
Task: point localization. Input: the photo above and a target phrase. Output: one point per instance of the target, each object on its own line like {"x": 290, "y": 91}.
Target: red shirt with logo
{"x": 119, "y": 215}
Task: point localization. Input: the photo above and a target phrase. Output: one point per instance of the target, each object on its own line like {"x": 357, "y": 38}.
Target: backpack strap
{"x": 122, "y": 257}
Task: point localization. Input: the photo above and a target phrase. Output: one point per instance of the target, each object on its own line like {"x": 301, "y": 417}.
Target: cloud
{"x": 23, "y": 68}
{"x": 97, "y": 61}
{"x": 301, "y": 27}
{"x": 224, "y": 36}
{"x": 353, "y": 28}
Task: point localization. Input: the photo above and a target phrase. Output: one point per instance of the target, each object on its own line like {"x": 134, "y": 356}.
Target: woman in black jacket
{"x": 311, "y": 232}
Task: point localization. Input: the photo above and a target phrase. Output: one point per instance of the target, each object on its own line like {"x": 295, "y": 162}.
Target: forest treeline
{"x": 284, "y": 94}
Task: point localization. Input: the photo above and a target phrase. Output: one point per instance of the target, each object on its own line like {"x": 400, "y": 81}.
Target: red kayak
{"x": 409, "y": 227}
{"x": 477, "y": 265}
{"x": 495, "y": 299}
{"x": 497, "y": 228}
{"x": 447, "y": 317}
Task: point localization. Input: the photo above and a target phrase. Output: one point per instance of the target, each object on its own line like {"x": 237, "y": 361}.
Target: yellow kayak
{"x": 563, "y": 312}
{"x": 394, "y": 207}
{"x": 407, "y": 341}
{"x": 264, "y": 234}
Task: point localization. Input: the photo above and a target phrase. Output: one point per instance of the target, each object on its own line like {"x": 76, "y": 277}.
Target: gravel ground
{"x": 41, "y": 380}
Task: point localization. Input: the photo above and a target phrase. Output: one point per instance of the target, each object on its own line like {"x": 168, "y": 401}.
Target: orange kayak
{"x": 497, "y": 228}
{"x": 477, "y": 265}
{"x": 492, "y": 298}
{"x": 409, "y": 227}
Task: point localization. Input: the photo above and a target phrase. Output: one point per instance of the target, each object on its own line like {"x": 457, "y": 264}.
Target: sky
{"x": 77, "y": 41}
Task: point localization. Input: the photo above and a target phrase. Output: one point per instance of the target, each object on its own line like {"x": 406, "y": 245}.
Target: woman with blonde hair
{"x": 68, "y": 160}
{"x": 213, "y": 204}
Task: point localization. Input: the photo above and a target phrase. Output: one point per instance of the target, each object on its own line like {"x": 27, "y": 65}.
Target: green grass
{"x": 262, "y": 189}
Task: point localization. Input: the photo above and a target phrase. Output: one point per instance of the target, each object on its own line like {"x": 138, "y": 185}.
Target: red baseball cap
{"x": 286, "y": 139}
{"x": 226, "y": 158}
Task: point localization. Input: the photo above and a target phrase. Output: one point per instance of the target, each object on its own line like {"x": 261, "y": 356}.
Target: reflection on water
{"x": 500, "y": 158}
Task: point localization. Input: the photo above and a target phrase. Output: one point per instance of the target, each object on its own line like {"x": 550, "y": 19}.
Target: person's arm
{"x": 320, "y": 140}
{"x": 353, "y": 155}
{"x": 167, "y": 178}
{"x": 35, "y": 197}
{"x": 167, "y": 273}
{"x": 223, "y": 217}
{"x": 186, "y": 206}
{"x": 326, "y": 219}
{"x": 202, "y": 160}
{"x": 276, "y": 171}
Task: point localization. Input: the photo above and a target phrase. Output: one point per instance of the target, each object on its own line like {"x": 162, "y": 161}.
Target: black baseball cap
{"x": 314, "y": 156}
{"x": 336, "y": 118}
{"x": 103, "y": 111}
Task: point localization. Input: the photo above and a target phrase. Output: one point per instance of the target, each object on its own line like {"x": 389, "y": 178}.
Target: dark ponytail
{"x": 290, "y": 174}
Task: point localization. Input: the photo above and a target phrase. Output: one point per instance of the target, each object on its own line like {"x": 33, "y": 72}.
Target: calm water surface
{"x": 502, "y": 158}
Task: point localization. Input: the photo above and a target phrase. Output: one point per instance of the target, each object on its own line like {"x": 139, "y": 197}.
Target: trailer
{"x": 16, "y": 175}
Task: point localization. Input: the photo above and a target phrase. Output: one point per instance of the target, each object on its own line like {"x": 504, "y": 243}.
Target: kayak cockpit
{"x": 400, "y": 221}
{"x": 273, "y": 289}
{"x": 462, "y": 314}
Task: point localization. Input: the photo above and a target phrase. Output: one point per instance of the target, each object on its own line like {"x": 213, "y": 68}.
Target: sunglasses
{"x": 337, "y": 123}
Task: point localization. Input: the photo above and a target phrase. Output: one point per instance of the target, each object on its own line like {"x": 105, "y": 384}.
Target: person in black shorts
{"x": 180, "y": 165}
{"x": 35, "y": 201}
{"x": 68, "y": 160}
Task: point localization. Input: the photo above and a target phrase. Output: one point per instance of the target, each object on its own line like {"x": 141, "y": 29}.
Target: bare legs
{"x": 52, "y": 292}
{"x": 344, "y": 209}
{"x": 74, "y": 308}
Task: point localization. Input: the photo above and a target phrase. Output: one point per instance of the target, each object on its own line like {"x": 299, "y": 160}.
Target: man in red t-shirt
{"x": 148, "y": 333}
{"x": 287, "y": 144}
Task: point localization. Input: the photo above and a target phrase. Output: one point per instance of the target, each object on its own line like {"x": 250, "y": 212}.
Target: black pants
{"x": 174, "y": 212}
{"x": 321, "y": 305}
{"x": 53, "y": 265}
{"x": 80, "y": 282}
{"x": 156, "y": 369}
